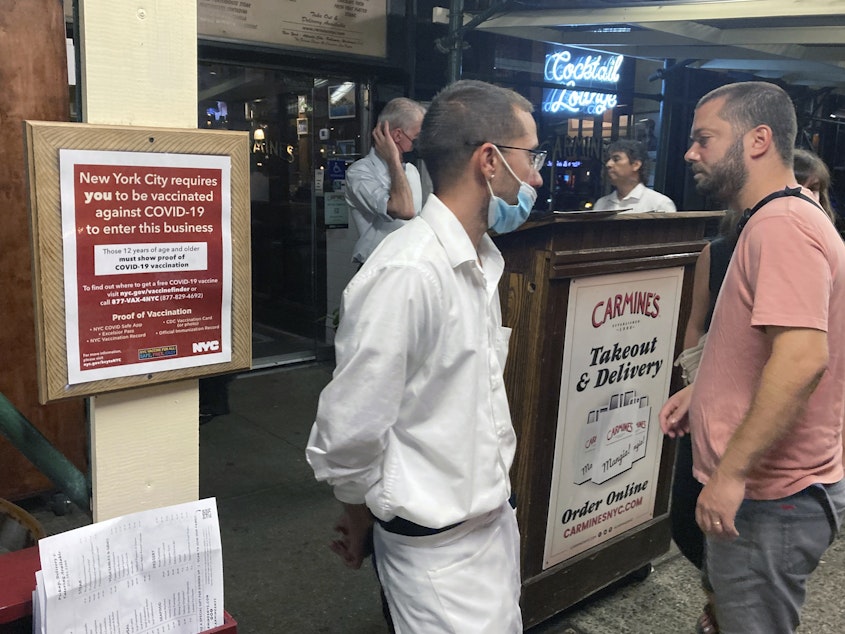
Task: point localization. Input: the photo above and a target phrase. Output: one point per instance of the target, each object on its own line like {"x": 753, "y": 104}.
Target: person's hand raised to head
{"x": 384, "y": 144}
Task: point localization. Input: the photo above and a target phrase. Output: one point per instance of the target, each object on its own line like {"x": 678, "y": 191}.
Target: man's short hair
{"x": 635, "y": 151}
{"x": 463, "y": 116}
{"x": 752, "y": 103}
{"x": 401, "y": 113}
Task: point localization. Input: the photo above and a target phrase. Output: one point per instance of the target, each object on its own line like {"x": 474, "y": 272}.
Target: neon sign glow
{"x": 593, "y": 69}
{"x": 567, "y": 163}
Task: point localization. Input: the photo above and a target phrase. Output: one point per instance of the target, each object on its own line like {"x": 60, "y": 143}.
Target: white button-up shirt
{"x": 639, "y": 199}
{"x": 415, "y": 421}
{"x": 367, "y": 192}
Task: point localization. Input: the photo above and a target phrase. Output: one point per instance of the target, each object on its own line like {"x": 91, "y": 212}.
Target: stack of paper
{"x": 158, "y": 571}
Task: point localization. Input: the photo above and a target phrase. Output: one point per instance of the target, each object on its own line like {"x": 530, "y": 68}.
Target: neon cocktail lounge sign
{"x": 561, "y": 68}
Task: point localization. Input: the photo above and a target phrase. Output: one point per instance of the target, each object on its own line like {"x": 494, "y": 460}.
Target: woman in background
{"x": 812, "y": 173}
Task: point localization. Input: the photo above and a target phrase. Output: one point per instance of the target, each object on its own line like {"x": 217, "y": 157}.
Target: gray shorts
{"x": 759, "y": 578}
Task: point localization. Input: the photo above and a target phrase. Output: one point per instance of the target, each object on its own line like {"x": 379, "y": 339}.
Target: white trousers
{"x": 462, "y": 581}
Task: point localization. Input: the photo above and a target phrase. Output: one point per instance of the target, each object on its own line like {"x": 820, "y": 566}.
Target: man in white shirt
{"x": 627, "y": 170}
{"x": 414, "y": 430}
{"x": 383, "y": 191}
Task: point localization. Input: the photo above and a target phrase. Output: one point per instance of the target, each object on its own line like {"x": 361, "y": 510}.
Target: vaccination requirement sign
{"x": 146, "y": 243}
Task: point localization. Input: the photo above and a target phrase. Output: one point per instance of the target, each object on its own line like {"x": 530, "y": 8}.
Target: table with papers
{"x": 155, "y": 572}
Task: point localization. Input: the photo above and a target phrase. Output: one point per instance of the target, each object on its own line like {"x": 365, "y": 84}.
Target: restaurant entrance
{"x": 291, "y": 140}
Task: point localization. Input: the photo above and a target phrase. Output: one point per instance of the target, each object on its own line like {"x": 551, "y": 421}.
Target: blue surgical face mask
{"x": 503, "y": 217}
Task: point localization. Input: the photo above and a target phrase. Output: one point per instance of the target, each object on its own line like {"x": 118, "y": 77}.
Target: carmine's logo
{"x": 636, "y": 303}
{"x": 619, "y": 429}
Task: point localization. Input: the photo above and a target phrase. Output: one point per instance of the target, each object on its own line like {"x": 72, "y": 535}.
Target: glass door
{"x": 288, "y": 282}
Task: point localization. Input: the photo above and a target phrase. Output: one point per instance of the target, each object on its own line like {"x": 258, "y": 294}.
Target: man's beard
{"x": 726, "y": 178}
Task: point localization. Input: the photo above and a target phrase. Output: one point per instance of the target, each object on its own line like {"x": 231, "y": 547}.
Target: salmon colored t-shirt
{"x": 788, "y": 269}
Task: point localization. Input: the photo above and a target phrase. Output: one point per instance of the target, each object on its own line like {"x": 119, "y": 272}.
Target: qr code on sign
{"x": 206, "y": 514}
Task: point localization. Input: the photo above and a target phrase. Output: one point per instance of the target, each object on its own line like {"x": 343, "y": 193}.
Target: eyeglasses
{"x": 538, "y": 157}
{"x": 405, "y": 134}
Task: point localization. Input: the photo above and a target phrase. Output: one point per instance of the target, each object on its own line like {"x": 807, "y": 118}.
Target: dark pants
{"x": 214, "y": 395}
{"x": 685, "y": 490}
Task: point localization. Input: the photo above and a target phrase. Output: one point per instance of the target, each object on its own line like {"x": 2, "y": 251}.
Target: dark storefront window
{"x": 283, "y": 113}
{"x": 583, "y": 99}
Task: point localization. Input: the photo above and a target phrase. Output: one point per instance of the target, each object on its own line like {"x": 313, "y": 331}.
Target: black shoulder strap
{"x": 786, "y": 191}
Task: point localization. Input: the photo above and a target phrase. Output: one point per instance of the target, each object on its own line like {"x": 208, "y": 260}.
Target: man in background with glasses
{"x": 627, "y": 170}
{"x": 383, "y": 190}
{"x": 414, "y": 430}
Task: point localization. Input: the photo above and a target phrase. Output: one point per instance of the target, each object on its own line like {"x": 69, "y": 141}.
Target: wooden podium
{"x": 622, "y": 524}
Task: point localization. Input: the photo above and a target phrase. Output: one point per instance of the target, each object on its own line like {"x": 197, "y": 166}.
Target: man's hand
{"x": 354, "y": 526}
{"x": 385, "y": 146}
{"x": 400, "y": 203}
{"x": 673, "y": 414}
{"x": 718, "y": 504}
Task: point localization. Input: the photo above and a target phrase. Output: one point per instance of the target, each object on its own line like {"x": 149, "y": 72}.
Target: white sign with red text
{"x": 617, "y": 365}
{"x": 147, "y": 253}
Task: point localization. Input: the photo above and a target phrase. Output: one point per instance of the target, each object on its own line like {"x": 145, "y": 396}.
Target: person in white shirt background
{"x": 383, "y": 190}
{"x": 414, "y": 430}
{"x": 627, "y": 170}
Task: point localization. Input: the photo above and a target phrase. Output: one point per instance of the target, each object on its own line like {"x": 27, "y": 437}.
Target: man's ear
{"x": 636, "y": 165}
{"x": 759, "y": 139}
{"x": 488, "y": 159}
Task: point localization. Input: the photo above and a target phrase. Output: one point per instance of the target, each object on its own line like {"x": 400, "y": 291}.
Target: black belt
{"x": 401, "y": 526}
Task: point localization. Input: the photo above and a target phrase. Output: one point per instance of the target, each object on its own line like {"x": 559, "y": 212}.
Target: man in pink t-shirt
{"x": 767, "y": 405}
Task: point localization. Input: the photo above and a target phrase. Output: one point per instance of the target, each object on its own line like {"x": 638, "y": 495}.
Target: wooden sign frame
{"x": 44, "y": 142}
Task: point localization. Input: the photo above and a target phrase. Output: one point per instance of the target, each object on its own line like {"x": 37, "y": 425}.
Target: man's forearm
{"x": 400, "y": 204}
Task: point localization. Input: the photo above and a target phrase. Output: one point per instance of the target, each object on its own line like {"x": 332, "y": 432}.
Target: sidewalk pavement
{"x": 276, "y": 523}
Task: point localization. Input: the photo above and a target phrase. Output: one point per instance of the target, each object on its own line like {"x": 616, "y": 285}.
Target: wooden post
{"x": 139, "y": 67}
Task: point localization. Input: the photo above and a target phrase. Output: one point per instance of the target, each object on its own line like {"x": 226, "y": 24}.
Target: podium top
{"x": 545, "y": 218}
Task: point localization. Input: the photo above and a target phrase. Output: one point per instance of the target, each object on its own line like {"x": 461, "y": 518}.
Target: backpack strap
{"x": 786, "y": 191}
